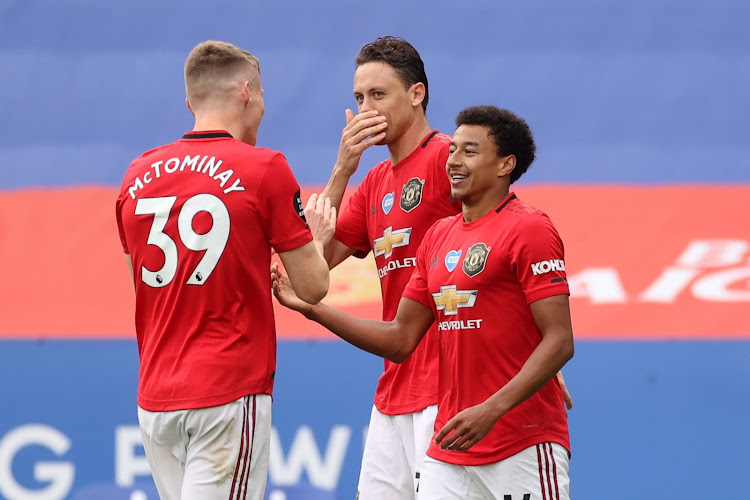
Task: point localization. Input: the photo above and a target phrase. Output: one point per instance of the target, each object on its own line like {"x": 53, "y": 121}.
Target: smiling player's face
{"x": 474, "y": 168}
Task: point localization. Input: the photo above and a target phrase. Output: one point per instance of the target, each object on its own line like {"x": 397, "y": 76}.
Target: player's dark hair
{"x": 401, "y": 56}
{"x": 510, "y": 133}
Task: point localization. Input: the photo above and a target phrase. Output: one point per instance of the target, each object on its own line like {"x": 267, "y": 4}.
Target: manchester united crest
{"x": 475, "y": 260}
{"x": 411, "y": 195}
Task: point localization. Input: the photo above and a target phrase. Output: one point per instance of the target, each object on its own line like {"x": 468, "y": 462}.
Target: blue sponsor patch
{"x": 388, "y": 202}
{"x": 451, "y": 260}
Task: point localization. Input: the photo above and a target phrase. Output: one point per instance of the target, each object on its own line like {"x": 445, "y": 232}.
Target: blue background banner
{"x": 650, "y": 94}
{"x": 651, "y": 420}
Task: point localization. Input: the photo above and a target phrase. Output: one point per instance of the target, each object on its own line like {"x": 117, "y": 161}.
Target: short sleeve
{"x": 351, "y": 225}
{"x": 538, "y": 258}
{"x": 282, "y": 214}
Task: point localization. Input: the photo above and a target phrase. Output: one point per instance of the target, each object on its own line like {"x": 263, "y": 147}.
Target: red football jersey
{"x": 389, "y": 213}
{"x": 479, "y": 279}
{"x": 199, "y": 217}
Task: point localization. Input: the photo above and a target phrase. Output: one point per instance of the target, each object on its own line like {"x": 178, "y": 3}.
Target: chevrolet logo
{"x": 449, "y": 299}
{"x": 390, "y": 240}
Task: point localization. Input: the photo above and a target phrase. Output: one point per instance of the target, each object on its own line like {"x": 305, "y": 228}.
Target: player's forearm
{"x": 336, "y": 186}
{"x": 377, "y": 337}
{"x": 547, "y": 359}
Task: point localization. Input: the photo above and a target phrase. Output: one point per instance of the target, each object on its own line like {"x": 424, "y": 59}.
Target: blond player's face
{"x": 473, "y": 166}
{"x": 378, "y": 88}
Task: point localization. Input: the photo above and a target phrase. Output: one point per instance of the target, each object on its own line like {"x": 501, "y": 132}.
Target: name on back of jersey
{"x": 197, "y": 164}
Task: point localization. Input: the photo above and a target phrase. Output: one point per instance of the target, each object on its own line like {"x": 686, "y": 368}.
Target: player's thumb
{"x": 349, "y": 116}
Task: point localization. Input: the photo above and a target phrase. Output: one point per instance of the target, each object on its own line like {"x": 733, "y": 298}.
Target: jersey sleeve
{"x": 351, "y": 225}
{"x": 538, "y": 258}
{"x": 281, "y": 211}
{"x": 417, "y": 288}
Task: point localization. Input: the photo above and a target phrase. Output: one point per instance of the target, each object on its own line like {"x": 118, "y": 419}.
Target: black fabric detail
{"x": 513, "y": 197}
{"x": 429, "y": 137}
{"x": 209, "y": 135}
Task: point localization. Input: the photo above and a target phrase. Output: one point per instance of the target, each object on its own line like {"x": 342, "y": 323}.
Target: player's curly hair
{"x": 510, "y": 133}
{"x": 402, "y": 57}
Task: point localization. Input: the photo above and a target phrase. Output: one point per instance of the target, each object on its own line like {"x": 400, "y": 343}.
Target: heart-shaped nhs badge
{"x": 451, "y": 260}
{"x": 387, "y": 202}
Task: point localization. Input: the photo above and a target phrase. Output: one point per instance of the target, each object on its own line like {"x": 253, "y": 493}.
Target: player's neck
{"x": 219, "y": 122}
{"x": 474, "y": 209}
{"x": 410, "y": 141}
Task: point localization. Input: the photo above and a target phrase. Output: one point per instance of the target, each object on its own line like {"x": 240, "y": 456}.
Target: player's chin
{"x": 457, "y": 193}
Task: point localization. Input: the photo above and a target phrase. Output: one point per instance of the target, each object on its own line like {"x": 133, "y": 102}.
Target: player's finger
{"x": 311, "y": 202}
{"x": 369, "y": 128}
{"x": 450, "y": 440}
{"x": 373, "y": 139}
{"x": 327, "y": 208}
{"x": 320, "y": 204}
{"x": 333, "y": 216}
{"x": 461, "y": 444}
{"x": 444, "y": 432}
{"x": 349, "y": 115}
{"x": 566, "y": 394}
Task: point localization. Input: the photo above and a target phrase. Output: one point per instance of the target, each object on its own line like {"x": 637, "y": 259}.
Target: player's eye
{"x": 378, "y": 94}
{"x": 451, "y": 151}
{"x": 359, "y": 98}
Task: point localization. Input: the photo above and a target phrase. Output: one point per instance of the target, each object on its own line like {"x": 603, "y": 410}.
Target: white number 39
{"x": 213, "y": 242}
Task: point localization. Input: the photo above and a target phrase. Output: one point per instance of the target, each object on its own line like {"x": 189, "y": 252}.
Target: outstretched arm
{"x": 468, "y": 427}
{"x": 393, "y": 340}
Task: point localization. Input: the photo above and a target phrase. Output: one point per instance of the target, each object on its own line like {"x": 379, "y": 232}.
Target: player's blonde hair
{"x": 212, "y": 65}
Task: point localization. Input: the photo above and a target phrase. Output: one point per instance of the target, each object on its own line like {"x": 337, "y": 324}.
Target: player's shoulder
{"x": 525, "y": 216}
{"x": 379, "y": 170}
{"x": 151, "y": 153}
{"x": 436, "y": 143}
{"x": 441, "y": 139}
{"x": 442, "y": 226}
{"x": 254, "y": 152}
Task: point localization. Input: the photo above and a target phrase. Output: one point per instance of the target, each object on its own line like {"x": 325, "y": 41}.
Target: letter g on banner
{"x": 59, "y": 475}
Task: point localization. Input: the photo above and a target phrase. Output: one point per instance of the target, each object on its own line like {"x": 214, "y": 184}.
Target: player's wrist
{"x": 344, "y": 170}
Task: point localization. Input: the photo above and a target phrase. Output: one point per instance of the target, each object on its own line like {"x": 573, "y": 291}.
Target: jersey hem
{"x": 294, "y": 244}
{"x": 193, "y": 404}
{"x": 548, "y": 291}
{"x": 465, "y": 458}
{"x": 404, "y": 409}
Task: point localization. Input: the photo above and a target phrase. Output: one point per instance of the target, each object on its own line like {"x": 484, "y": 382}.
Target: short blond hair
{"x": 212, "y": 64}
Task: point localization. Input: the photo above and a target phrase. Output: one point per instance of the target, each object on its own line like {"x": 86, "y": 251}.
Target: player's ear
{"x": 417, "y": 94}
{"x": 506, "y": 165}
{"x": 189, "y": 107}
{"x": 246, "y": 94}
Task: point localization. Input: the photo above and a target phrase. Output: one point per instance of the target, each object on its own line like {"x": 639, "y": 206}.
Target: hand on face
{"x": 321, "y": 217}
{"x": 361, "y": 132}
